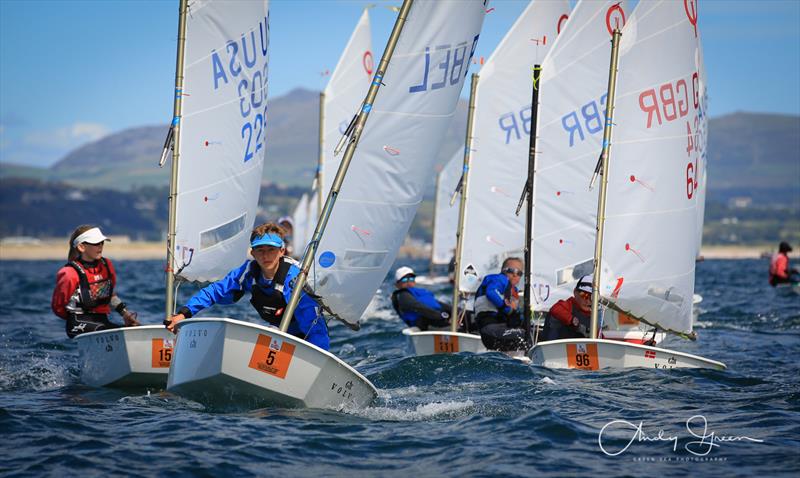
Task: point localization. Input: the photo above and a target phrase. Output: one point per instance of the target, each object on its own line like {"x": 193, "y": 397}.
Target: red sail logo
{"x": 368, "y": 62}
{"x": 561, "y": 21}
{"x": 615, "y": 18}
{"x": 691, "y": 13}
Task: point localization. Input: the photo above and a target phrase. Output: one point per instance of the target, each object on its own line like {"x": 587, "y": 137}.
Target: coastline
{"x": 121, "y": 248}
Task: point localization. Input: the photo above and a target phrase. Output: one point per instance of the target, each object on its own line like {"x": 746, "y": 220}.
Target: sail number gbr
{"x": 673, "y": 101}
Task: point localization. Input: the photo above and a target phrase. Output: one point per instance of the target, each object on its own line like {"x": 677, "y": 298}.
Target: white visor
{"x": 92, "y": 236}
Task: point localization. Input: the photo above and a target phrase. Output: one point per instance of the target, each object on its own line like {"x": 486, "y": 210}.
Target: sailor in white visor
{"x": 84, "y": 293}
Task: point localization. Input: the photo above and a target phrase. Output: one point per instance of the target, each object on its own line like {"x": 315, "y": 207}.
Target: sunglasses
{"x": 407, "y": 279}
{"x": 512, "y": 270}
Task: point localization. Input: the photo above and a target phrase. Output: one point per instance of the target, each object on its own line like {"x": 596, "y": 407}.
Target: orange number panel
{"x": 582, "y": 356}
{"x": 445, "y": 344}
{"x": 271, "y": 356}
{"x": 162, "y": 352}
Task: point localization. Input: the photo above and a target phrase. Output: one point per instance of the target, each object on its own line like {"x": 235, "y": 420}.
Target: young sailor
{"x": 497, "y": 309}
{"x": 416, "y": 306}
{"x": 84, "y": 293}
{"x": 269, "y": 279}
{"x": 571, "y": 318}
{"x": 779, "y": 270}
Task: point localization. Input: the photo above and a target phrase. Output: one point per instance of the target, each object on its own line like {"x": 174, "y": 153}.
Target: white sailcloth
{"x": 651, "y": 215}
{"x": 500, "y": 139}
{"x": 446, "y": 215}
{"x": 701, "y": 142}
{"x": 396, "y": 153}
{"x": 570, "y": 131}
{"x": 301, "y": 219}
{"x": 222, "y": 135}
{"x": 343, "y": 96}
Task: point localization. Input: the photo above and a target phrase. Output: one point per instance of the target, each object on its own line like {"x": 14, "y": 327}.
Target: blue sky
{"x": 74, "y": 71}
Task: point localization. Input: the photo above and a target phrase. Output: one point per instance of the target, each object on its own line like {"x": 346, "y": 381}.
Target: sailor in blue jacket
{"x": 269, "y": 279}
{"x": 496, "y": 309}
{"x": 416, "y": 306}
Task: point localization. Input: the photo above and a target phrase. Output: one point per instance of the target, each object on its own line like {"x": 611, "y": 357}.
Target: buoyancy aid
{"x": 422, "y": 296}
{"x": 95, "y": 291}
{"x": 486, "y": 312}
{"x": 556, "y": 329}
{"x": 778, "y": 265}
{"x": 270, "y": 304}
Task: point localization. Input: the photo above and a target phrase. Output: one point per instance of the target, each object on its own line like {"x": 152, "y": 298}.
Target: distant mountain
{"x": 754, "y": 151}
{"x": 750, "y": 154}
{"x": 129, "y": 158}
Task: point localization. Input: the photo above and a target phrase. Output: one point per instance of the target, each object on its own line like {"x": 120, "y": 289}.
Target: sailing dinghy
{"x": 645, "y": 245}
{"x": 494, "y": 157}
{"x": 126, "y": 357}
{"x": 378, "y": 202}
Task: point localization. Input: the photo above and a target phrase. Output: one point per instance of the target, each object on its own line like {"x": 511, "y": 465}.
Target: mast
{"x": 527, "y": 194}
{"x": 360, "y": 121}
{"x": 321, "y": 160}
{"x": 173, "y": 183}
{"x": 462, "y": 208}
{"x": 603, "y": 171}
{"x": 433, "y": 239}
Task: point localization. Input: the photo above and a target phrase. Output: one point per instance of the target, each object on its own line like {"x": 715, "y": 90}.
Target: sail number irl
{"x": 448, "y": 65}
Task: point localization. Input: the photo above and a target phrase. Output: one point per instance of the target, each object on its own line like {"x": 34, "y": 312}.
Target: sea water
{"x": 445, "y": 415}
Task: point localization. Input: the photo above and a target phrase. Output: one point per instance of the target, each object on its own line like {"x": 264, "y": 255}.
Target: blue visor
{"x": 273, "y": 240}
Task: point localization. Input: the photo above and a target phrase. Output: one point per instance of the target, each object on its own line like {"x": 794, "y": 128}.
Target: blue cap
{"x": 269, "y": 239}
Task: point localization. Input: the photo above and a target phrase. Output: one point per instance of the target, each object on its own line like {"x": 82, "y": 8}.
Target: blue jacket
{"x": 306, "y": 322}
{"x": 493, "y": 288}
{"x": 424, "y": 297}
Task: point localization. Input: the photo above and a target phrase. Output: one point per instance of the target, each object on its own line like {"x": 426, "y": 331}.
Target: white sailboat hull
{"x": 597, "y": 354}
{"x": 433, "y": 342}
{"x": 126, "y": 357}
{"x": 229, "y": 361}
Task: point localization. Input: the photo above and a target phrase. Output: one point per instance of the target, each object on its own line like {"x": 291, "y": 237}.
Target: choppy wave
{"x": 445, "y": 415}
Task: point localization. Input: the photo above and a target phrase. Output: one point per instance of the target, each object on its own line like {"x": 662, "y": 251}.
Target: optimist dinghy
{"x": 488, "y": 231}
{"x": 126, "y": 357}
{"x": 395, "y": 157}
{"x": 645, "y": 246}
{"x": 230, "y": 361}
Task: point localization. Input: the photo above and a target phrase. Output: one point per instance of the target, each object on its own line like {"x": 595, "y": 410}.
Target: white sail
{"x": 396, "y": 153}
{"x": 301, "y": 219}
{"x": 222, "y": 135}
{"x": 500, "y": 139}
{"x": 701, "y": 142}
{"x": 650, "y": 236}
{"x": 344, "y": 94}
{"x": 445, "y": 215}
{"x": 570, "y": 132}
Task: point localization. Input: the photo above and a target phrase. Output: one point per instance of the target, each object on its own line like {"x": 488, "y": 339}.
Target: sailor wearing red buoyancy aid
{"x": 571, "y": 318}
{"x": 84, "y": 292}
{"x": 779, "y": 270}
